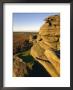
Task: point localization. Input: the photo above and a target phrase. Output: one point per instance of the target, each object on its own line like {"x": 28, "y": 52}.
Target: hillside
{"x": 21, "y": 41}
{"x": 38, "y": 52}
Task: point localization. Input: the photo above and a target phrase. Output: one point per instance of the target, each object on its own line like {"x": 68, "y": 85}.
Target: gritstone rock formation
{"x": 48, "y": 41}
{"x": 20, "y": 68}
{"x": 45, "y": 44}
{"x": 50, "y": 34}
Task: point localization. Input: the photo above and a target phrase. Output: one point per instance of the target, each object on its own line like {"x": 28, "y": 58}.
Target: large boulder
{"x": 19, "y": 67}
{"x": 48, "y": 39}
{"x": 50, "y": 33}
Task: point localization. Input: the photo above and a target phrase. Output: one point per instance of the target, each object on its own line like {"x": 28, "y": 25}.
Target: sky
{"x": 29, "y": 21}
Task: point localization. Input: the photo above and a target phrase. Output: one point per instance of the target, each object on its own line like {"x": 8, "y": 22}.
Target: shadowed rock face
{"x": 22, "y": 69}
{"x": 46, "y": 40}
{"x": 19, "y": 67}
{"x": 21, "y": 41}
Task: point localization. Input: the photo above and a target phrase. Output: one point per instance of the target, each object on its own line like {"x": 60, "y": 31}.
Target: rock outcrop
{"x": 51, "y": 33}
{"x": 45, "y": 43}
{"x": 20, "y": 68}
{"x": 48, "y": 41}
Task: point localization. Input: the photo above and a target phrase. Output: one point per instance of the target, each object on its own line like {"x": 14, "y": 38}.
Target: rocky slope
{"x": 45, "y": 45}
{"x": 21, "y": 41}
{"x": 20, "y": 67}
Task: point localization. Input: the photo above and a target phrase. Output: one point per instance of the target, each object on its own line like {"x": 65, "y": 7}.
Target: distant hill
{"x": 21, "y": 41}
{"x": 40, "y": 52}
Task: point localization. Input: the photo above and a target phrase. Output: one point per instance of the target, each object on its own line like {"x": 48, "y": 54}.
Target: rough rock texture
{"x": 50, "y": 33}
{"x": 19, "y": 67}
{"x": 45, "y": 43}
{"x": 48, "y": 39}
{"x": 21, "y": 41}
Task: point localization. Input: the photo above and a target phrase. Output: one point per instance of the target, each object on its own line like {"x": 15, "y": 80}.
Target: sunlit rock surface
{"x": 42, "y": 47}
